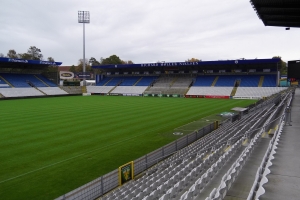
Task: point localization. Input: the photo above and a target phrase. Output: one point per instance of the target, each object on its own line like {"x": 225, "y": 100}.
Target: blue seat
{"x": 130, "y": 81}
{"x": 3, "y": 84}
{"x": 103, "y": 81}
{"x": 23, "y": 80}
{"x": 114, "y": 81}
{"x": 204, "y": 80}
{"x": 46, "y": 80}
{"x": 146, "y": 80}
{"x": 269, "y": 81}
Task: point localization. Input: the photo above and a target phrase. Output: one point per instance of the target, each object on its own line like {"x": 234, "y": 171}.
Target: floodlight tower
{"x": 84, "y": 18}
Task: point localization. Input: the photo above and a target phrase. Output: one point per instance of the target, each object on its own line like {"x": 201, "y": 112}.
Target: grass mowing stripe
{"x": 82, "y": 154}
{"x": 92, "y": 128}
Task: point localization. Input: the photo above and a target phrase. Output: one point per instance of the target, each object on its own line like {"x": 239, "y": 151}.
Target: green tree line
{"x": 33, "y": 53}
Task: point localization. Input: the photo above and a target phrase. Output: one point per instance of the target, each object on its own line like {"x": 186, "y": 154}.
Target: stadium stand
{"x": 226, "y": 81}
{"x": 132, "y": 90}
{"x": 229, "y": 80}
{"x": 257, "y": 91}
{"x": 221, "y": 91}
{"x": 129, "y": 81}
{"x": 164, "y": 81}
{"x": 182, "y": 82}
{"x": 3, "y": 84}
{"x": 45, "y": 80}
{"x": 103, "y": 81}
{"x": 171, "y": 85}
{"x": 269, "y": 81}
{"x": 249, "y": 80}
{"x": 204, "y": 80}
{"x": 23, "y": 80}
{"x": 99, "y": 89}
{"x": 223, "y": 85}
{"x": 20, "y": 92}
{"x": 146, "y": 80}
{"x": 52, "y": 90}
{"x": 114, "y": 81}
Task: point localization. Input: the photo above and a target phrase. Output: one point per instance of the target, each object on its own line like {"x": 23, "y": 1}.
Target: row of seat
{"x": 53, "y": 90}
{"x": 261, "y": 176}
{"x": 221, "y": 91}
{"x": 129, "y": 90}
{"x": 269, "y": 80}
{"x": 99, "y": 89}
{"x": 27, "y": 80}
{"x": 257, "y": 189}
{"x": 257, "y": 91}
{"x": 127, "y": 81}
{"x": 230, "y": 176}
{"x": 183, "y": 162}
{"x": 20, "y": 92}
{"x": 26, "y": 92}
{"x": 198, "y": 186}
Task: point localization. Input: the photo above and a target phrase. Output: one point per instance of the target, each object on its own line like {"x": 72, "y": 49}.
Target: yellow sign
{"x": 126, "y": 173}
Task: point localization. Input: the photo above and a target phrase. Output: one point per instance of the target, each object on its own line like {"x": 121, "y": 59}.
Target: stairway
{"x": 174, "y": 80}
{"x": 112, "y": 89}
{"x": 261, "y": 81}
{"x": 108, "y": 82}
{"x": 40, "y": 90}
{"x": 41, "y": 80}
{"x": 233, "y": 91}
{"x": 138, "y": 81}
{"x": 8, "y": 83}
{"x": 215, "y": 81}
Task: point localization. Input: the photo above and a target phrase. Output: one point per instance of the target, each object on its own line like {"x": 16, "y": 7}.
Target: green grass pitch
{"x": 50, "y": 146}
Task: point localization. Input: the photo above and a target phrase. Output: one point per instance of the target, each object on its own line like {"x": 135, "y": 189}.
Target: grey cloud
{"x": 143, "y": 31}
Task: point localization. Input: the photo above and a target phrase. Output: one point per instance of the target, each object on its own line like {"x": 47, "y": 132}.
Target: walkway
{"x": 284, "y": 179}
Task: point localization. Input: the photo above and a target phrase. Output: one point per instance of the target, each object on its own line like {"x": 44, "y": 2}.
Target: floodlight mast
{"x": 83, "y": 17}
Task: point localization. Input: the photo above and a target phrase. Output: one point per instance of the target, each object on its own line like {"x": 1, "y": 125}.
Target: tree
{"x": 12, "y": 54}
{"x": 283, "y": 68}
{"x": 112, "y": 60}
{"x": 2, "y": 55}
{"x": 72, "y": 68}
{"x": 127, "y": 62}
{"x": 33, "y": 53}
{"x": 94, "y": 62}
{"x": 193, "y": 60}
{"x": 24, "y": 56}
{"x": 79, "y": 67}
{"x": 50, "y": 59}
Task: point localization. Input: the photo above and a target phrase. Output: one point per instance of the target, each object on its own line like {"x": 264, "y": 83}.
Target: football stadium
{"x": 211, "y": 130}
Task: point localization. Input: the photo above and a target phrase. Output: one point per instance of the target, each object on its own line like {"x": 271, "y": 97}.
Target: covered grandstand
{"x": 203, "y": 79}
{"x": 21, "y": 78}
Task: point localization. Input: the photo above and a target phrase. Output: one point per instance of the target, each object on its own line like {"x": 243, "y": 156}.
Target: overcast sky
{"x": 144, "y": 30}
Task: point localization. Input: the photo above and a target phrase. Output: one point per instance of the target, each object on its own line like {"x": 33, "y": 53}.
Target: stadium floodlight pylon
{"x": 84, "y": 18}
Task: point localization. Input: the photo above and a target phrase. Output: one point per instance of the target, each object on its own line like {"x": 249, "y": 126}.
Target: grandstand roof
{"x": 13, "y": 62}
{"x": 185, "y": 64}
{"x": 278, "y": 12}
